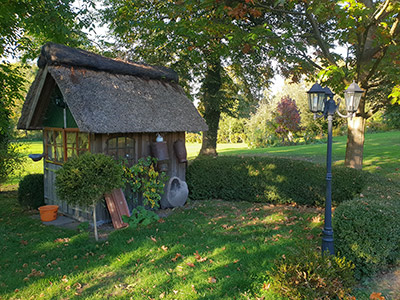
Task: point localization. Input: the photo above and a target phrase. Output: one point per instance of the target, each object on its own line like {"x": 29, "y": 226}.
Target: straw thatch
{"x": 110, "y": 101}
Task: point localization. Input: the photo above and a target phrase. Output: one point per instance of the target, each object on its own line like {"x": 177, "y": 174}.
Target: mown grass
{"x": 210, "y": 250}
{"x": 381, "y": 152}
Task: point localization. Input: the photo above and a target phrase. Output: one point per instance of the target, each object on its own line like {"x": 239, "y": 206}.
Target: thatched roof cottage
{"x": 86, "y": 102}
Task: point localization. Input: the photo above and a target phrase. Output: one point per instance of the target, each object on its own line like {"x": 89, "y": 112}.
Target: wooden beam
{"x": 37, "y": 96}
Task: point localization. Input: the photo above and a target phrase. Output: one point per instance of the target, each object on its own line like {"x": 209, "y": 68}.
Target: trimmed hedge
{"x": 368, "y": 233}
{"x": 31, "y": 191}
{"x": 269, "y": 179}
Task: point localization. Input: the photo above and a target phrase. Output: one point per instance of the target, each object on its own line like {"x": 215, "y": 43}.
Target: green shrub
{"x": 309, "y": 275}
{"x": 145, "y": 180}
{"x": 368, "y": 233}
{"x": 140, "y": 216}
{"x": 31, "y": 191}
{"x": 268, "y": 179}
{"x": 83, "y": 180}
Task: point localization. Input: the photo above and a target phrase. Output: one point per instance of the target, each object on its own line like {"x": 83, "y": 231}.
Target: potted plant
{"x": 83, "y": 180}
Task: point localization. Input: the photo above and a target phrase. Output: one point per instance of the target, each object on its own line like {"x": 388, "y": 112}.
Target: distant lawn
{"x": 381, "y": 152}
{"x": 29, "y": 166}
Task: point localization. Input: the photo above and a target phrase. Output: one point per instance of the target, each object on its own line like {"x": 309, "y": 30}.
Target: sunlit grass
{"x": 381, "y": 152}
{"x": 213, "y": 250}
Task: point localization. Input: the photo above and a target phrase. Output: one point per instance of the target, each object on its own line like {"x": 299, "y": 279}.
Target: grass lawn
{"x": 207, "y": 250}
{"x": 211, "y": 250}
{"x": 381, "y": 152}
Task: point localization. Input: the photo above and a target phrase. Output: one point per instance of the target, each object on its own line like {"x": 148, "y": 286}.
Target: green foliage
{"x": 84, "y": 179}
{"x": 193, "y": 137}
{"x": 259, "y": 133}
{"x": 309, "y": 275}
{"x": 391, "y": 117}
{"x": 231, "y": 130}
{"x": 368, "y": 233}
{"x": 267, "y": 179}
{"x": 146, "y": 181}
{"x": 11, "y": 82}
{"x": 84, "y": 226}
{"x": 31, "y": 191}
{"x": 140, "y": 216}
{"x": 24, "y": 27}
{"x": 223, "y": 57}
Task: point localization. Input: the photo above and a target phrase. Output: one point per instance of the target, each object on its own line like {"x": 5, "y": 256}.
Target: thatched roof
{"x": 109, "y": 96}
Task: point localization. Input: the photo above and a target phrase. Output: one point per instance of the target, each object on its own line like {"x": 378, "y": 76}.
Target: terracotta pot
{"x": 48, "y": 212}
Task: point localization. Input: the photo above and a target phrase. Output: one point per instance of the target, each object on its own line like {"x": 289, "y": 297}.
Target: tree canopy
{"x": 25, "y": 25}
{"x": 203, "y": 44}
{"x": 310, "y": 33}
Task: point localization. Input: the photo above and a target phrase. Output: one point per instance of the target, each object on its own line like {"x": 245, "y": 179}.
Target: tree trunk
{"x": 211, "y": 102}
{"x": 355, "y": 139}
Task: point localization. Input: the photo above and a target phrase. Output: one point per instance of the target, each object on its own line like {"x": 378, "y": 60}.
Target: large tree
{"x": 24, "y": 26}
{"x": 204, "y": 44}
{"x": 310, "y": 33}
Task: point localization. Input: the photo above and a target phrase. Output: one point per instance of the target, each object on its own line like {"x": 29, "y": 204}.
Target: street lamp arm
{"x": 348, "y": 115}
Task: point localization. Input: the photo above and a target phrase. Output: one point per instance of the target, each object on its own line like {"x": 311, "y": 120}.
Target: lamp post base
{"x": 327, "y": 242}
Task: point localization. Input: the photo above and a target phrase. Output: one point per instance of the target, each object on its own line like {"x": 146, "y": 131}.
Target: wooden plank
{"x": 117, "y": 207}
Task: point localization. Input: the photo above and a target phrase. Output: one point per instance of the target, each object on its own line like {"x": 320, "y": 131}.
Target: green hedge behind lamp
{"x": 269, "y": 180}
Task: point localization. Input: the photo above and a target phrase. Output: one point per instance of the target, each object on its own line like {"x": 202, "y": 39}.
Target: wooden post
{"x": 95, "y": 222}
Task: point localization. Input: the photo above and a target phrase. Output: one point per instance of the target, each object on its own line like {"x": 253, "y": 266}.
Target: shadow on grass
{"x": 215, "y": 250}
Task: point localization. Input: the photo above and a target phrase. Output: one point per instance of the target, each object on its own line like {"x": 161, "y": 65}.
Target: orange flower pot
{"x": 48, "y": 212}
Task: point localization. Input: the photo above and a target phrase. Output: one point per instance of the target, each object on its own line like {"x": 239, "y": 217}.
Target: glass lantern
{"x": 352, "y": 97}
{"x": 316, "y": 98}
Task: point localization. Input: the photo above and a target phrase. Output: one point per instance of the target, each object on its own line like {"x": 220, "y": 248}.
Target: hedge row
{"x": 267, "y": 179}
{"x": 31, "y": 191}
{"x": 368, "y": 233}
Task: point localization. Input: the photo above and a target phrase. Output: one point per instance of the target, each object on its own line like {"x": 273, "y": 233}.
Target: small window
{"x": 62, "y": 144}
{"x": 122, "y": 147}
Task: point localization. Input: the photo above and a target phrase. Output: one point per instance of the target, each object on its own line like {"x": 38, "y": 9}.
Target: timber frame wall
{"x": 98, "y": 144}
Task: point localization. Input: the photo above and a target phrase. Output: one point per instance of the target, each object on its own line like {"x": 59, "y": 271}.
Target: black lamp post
{"x": 319, "y": 103}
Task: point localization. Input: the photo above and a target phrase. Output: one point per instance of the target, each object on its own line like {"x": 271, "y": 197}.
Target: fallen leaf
{"x": 130, "y": 240}
{"x": 212, "y": 279}
{"x": 266, "y": 286}
{"x": 376, "y": 296}
{"x": 165, "y": 248}
{"x": 199, "y": 258}
{"x": 190, "y": 264}
{"x": 176, "y": 257}
{"x": 62, "y": 240}
{"x": 153, "y": 239}
{"x": 162, "y": 295}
